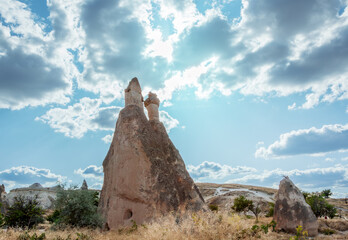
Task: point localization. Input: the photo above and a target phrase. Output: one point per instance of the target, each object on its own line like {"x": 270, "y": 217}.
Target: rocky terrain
{"x": 223, "y": 195}
{"x": 46, "y": 196}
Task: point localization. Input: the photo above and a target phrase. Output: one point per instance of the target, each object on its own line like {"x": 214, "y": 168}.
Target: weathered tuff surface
{"x": 291, "y": 209}
{"x": 45, "y": 196}
{"x": 144, "y": 174}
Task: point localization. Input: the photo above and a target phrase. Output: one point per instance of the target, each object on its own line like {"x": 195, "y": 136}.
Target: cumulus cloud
{"x": 168, "y": 121}
{"x": 24, "y": 176}
{"x": 86, "y": 115}
{"x": 108, "y": 138}
{"x": 212, "y": 170}
{"x": 91, "y": 171}
{"x": 34, "y": 68}
{"x": 329, "y": 138}
{"x": 315, "y": 179}
{"x": 103, "y": 44}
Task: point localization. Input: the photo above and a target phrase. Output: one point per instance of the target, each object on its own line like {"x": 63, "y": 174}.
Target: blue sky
{"x": 250, "y": 90}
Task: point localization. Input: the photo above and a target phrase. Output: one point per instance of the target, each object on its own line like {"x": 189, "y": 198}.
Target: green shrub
{"x": 265, "y": 228}
{"x": 270, "y": 210}
{"x": 26, "y": 236}
{"x": 328, "y": 231}
{"x": 213, "y": 207}
{"x": 320, "y": 207}
{"x": 273, "y": 224}
{"x": 24, "y": 213}
{"x": 54, "y": 217}
{"x": 77, "y": 208}
{"x": 300, "y": 234}
{"x": 2, "y": 221}
{"x": 241, "y": 204}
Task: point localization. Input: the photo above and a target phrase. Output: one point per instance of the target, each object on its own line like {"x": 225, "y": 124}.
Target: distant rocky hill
{"x": 46, "y": 196}
{"x": 223, "y": 195}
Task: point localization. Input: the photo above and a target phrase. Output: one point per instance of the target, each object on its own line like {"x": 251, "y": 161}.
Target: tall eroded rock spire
{"x": 144, "y": 174}
{"x": 132, "y": 94}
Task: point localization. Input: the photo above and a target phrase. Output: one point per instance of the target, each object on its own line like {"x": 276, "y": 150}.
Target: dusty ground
{"x": 209, "y": 225}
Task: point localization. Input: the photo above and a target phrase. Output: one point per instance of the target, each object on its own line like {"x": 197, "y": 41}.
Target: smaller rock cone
{"x": 291, "y": 209}
{"x": 84, "y": 185}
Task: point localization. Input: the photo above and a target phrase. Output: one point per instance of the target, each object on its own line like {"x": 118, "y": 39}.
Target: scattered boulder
{"x": 144, "y": 174}
{"x": 84, "y": 185}
{"x": 291, "y": 209}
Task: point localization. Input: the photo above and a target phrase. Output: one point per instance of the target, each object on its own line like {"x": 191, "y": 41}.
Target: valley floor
{"x": 207, "y": 225}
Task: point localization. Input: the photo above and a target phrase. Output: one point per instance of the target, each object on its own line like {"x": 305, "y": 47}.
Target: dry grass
{"x": 202, "y": 225}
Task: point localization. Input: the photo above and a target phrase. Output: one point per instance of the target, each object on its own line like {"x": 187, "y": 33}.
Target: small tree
{"x": 77, "y": 208}
{"x": 255, "y": 210}
{"x": 25, "y": 212}
{"x": 242, "y": 204}
{"x": 326, "y": 193}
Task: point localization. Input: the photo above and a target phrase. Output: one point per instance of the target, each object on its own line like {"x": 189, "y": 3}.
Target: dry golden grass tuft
{"x": 202, "y": 225}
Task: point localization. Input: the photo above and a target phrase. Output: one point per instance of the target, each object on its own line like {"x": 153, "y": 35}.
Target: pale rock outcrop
{"x": 291, "y": 209}
{"x": 144, "y": 174}
{"x": 152, "y": 105}
{"x": 45, "y": 196}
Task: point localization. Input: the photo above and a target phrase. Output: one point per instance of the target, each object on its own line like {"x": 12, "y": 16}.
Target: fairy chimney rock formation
{"x": 132, "y": 94}
{"x": 144, "y": 174}
{"x": 84, "y": 185}
{"x": 291, "y": 209}
{"x": 152, "y": 105}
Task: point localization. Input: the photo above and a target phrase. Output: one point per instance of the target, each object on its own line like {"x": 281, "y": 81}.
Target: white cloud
{"x": 24, "y": 176}
{"x": 86, "y": 115}
{"x": 329, "y": 138}
{"x": 292, "y": 107}
{"x": 329, "y": 159}
{"x": 344, "y": 159}
{"x": 168, "y": 121}
{"x": 36, "y": 66}
{"x": 108, "y": 138}
{"x": 265, "y": 52}
{"x": 92, "y": 171}
{"x": 212, "y": 171}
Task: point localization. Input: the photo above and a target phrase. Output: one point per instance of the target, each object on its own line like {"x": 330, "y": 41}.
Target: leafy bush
{"x": 25, "y": 212}
{"x": 270, "y": 210}
{"x": 213, "y": 207}
{"x": 320, "y": 207}
{"x": 2, "y": 221}
{"x": 328, "y": 231}
{"x": 54, "y": 217}
{"x": 77, "y": 208}
{"x": 241, "y": 204}
{"x": 306, "y": 194}
{"x": 300, "y": 234}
